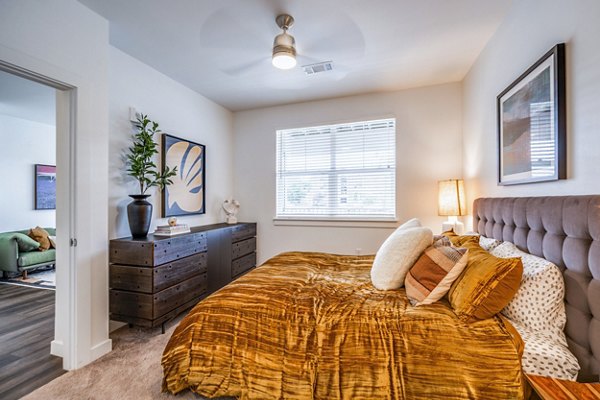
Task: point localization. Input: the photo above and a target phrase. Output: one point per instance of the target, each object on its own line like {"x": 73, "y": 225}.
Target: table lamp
{"x": 451, "y": 203}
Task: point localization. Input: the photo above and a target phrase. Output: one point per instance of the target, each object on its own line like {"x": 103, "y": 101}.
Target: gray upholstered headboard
{"x": 566, "y": 231}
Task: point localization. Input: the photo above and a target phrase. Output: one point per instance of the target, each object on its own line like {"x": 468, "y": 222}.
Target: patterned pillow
{"x": 441, "y": 240}
{"x": 546, "y": 357}
{"x": 539, "y": 303}
{"x": 488, "y": 244}
{"x": 430, "y": 278}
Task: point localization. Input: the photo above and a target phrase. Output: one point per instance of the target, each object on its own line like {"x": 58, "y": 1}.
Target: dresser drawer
{"x": 175, "y": 296}
{"x": 242, "y": 248}
{"x": 153, "y": 306}
{"x": 127, "y": 277}
{"x": 176, "y": 271}
{"x": 243, "y": 264}
{"x": 151, "y": 280}
{"x": 241, "y": 232}
{"x": 132, "y": 304}
{"x": 177, "y": 247}
{"x": 148, "y": 254}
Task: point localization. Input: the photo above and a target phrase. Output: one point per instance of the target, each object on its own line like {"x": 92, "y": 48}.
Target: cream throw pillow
{"x": 398, "y": 253}
{"x": 411, "y": 223}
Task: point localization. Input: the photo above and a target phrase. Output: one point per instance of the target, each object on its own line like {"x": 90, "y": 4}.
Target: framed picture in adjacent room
{"x": 532, "y": 123}
{"x": 186, "y": 195}
{"x": 45, "y": 187}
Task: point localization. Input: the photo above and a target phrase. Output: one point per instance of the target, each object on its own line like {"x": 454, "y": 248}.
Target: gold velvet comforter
{"x": 312, "y": 326}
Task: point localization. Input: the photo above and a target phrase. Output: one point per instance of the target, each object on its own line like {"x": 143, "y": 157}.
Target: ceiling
{"x": 222, "y": 49}
{"x": 25, "y": 99}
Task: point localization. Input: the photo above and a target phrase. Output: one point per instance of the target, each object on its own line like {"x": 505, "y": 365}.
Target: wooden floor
{"x": 26, "y": 330}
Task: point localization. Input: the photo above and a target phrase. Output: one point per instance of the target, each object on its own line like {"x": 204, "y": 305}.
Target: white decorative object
{"x": 231, "y": 208}
{"x": 172, "y": 221}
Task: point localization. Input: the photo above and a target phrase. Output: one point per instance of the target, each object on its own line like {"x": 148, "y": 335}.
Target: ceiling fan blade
{"x": 247, "y": 67}
{"x": 230, "y": 29}
{"x": 340, "y": 39}
{"x": 307, "y": 60}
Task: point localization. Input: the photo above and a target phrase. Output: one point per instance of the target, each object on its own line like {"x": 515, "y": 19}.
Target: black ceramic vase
{"x": 139, "y": 214}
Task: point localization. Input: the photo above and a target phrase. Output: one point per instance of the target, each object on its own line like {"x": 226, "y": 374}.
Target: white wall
{"x": 24, "y": 144}
{"x": 67, "y": 42}
{"x": 531, "y": 28}
{"x": 180, "y": 112}
{"x": 428, "y": 125}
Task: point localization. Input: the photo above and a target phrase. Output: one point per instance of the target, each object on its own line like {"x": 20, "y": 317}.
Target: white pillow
{"x": 411, "y": 223}
{"x": 397, "y": 254}
{"x": 539, "y": 304}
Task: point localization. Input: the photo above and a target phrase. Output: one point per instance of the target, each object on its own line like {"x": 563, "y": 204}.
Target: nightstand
{"x": 557, "y": 389}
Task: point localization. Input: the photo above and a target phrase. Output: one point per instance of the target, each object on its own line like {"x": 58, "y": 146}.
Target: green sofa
{"x": 19, "y": 253}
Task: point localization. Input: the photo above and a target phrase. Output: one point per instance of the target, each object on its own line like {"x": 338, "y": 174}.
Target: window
{"x": 342, "y": 171}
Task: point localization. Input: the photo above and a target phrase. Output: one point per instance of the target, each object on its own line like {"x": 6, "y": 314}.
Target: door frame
{"x": 65, "y": 333}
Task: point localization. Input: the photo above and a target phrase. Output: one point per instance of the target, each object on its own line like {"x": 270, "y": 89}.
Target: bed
{"x": 311, "y": 325}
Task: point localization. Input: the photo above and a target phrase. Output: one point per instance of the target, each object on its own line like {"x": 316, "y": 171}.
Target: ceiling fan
{"x": 284, "y": 45}
{"x": 235, "y": 39}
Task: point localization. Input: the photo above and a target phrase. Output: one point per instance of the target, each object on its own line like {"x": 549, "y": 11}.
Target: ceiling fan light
{"x": 284, "y": 50}
{"x": 284, "y": 60}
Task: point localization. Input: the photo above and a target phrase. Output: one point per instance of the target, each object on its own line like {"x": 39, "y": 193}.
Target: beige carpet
{"x": 131, "y": 371}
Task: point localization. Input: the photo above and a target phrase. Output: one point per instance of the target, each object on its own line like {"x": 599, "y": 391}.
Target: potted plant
{"x": 141, "y": 167}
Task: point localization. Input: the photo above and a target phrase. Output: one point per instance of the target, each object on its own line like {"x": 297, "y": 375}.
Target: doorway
{"x": 35, "y": 226}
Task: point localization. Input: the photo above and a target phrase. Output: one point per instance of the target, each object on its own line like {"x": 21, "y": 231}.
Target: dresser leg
{"x": 162, "y": 328}
{"x": 130, "y": 325}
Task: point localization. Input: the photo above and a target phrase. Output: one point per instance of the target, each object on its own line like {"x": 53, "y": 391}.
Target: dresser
{"x": 154, "y": 279}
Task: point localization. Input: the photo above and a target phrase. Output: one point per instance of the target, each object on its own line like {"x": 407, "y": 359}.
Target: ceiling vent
{"x": 317, "y": 68}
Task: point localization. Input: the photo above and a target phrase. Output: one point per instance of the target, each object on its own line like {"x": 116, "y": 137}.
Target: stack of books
{"x": 168, "y": 230}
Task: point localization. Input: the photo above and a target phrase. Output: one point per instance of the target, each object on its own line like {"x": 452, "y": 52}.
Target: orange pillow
{"x": 486, "y": 285}
{"x": 458, "y": 240}
{"x": 40, "y": 235}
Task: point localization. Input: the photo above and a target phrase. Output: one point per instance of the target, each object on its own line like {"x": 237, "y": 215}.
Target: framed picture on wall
{"x": 45, "y": 187}
{"x": 532, "y": 123}
{"x": 186, "y": 195}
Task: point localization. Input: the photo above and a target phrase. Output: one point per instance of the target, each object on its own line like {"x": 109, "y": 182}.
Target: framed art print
{"x": 45, "y": 187}
{"x": 186, "y": 195}
{"x": 532, "y": 123}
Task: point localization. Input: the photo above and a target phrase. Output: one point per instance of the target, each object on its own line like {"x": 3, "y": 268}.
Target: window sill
{"x": 386, "y": 223}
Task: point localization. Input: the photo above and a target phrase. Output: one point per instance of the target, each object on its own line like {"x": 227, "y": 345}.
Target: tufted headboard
{"x": 566, "y": 231}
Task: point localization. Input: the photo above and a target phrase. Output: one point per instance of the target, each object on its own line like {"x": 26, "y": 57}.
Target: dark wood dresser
{"x": 154, "y": 279}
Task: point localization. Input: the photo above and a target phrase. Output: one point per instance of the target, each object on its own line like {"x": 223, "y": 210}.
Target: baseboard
{"x": 57, "y": 348}
{"x": 114, "y": 325}
{"x": 101, "y": 349}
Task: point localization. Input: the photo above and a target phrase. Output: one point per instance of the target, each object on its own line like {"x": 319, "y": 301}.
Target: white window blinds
{"x": 342, "y": 171}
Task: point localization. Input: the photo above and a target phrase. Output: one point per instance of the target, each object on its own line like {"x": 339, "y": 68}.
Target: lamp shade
{"x": 451, "y": 198}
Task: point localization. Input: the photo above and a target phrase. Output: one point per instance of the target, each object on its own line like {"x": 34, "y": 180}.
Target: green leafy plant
{"x": 140, "y": 164}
